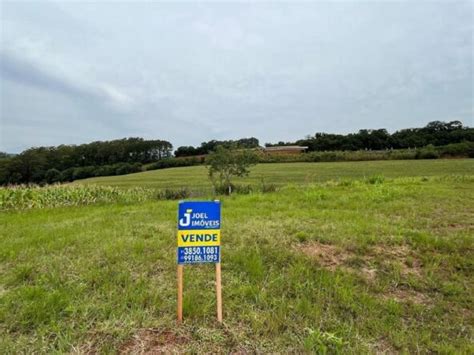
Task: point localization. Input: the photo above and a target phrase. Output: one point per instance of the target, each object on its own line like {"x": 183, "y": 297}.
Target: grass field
{"x": 282, "y": 173}
{"x": 329, "y": 263}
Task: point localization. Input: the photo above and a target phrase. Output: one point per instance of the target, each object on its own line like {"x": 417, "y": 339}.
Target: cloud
{"x": 194, "y": 72}
{"x": 228, "y": 35}
{"x": 31, "y": 73}
{"x": 118, "y": 98}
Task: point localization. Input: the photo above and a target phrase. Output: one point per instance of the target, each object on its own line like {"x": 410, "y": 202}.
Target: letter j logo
{"x": 186, "y": 221}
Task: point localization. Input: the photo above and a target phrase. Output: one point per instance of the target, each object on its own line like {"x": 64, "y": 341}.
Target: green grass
{"x": 282, "y": 173}
{"x": 347, "y": 265}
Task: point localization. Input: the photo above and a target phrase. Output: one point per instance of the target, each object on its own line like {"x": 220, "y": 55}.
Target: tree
{"x": 224, "y": 164}
{"x": 207, "y": 147}
{"x": 52, "y": 176}
{"x": 185, "y": 151}
{"x": 4, "y": 155}
{"x": 32, "y": 165}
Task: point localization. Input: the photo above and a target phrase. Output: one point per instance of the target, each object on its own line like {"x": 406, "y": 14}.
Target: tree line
{"x": 71, "y": 162}
{"x": 435, "y": 133}
{"x": 207, "y": 147}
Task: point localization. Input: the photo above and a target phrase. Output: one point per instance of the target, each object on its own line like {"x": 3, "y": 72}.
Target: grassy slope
{"x": 195, "y": 177}
{"x": 85, "y": 278}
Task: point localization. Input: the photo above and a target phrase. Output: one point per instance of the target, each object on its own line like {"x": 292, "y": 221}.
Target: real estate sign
{"x": 199, "y": 232}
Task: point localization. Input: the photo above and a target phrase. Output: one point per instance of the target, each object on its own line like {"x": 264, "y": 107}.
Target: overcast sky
{"x": 189, "y": 72}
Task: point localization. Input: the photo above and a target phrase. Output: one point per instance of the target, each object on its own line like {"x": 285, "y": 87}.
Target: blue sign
{"x": 199, "y": 215}
{"x": 197, "y": 255}
{"x": 199, "y": 224}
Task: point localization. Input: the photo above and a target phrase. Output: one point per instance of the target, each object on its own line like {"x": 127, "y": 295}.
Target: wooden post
{"x": 180, "y": 293}
{"x": 219, "y": 292}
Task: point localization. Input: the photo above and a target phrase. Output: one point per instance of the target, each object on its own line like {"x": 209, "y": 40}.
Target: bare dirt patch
{"x": 154, "y": 341}
{"x": 406, "y": 295}
{"x": 368, "y": 273}
{"x": 333, "y": 257}
{"x": 383, "y": 346}
{"x": 329, "y": 256}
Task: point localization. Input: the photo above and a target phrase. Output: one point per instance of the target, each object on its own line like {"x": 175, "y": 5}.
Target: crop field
{"x": 366, "y": 257}
{"x": 283, "y": 173}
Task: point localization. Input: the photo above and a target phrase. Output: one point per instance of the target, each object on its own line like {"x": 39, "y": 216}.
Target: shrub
{"x": 123, "y": 168}
{"x": 404, "y": 154}
{"x": 375, "y": 179}
{"x": 67, "y": 175}
{"x": 266, "y": 187}
{"x": 105, "y": 170}
{"x": 465, "y": 149}
{"x": 243, "y": 189}
{"x": 52, "y": 176}
{"x": 117, "y": 169}
{"x": 83, "y": 172}
{"x": 429, "y": 152}
{"x": 174, "y": 194}
{"x": 174, "y": 163}
{"x": 137, "y": 167}
{"x": 223, "y": 189}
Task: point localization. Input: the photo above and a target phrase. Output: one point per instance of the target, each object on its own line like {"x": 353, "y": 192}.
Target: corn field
{"x": 26, "y": 197}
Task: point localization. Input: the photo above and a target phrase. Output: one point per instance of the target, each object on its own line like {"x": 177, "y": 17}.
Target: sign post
{"x": 199, "y": 240}
{"x": 218, "y": 292}
{"x": 180, "y": 293}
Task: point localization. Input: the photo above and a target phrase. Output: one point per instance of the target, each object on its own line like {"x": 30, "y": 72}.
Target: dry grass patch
{"x": 407, "y": 295}
{"x": 329, "y": 256}
{"x": 333, "y": 257}
{"x": 402, "y": 255}
{"x": 155, "y": 341}
{"x": 368, "y": 273}
{"x": 383, "y": 346}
